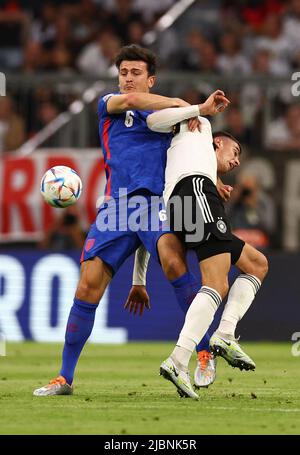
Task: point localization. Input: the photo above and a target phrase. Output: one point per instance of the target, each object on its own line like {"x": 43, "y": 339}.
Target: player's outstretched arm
{"x": 138, "y": 298}
{"x": 141, "y": 101}
{"x": 164, "y": 120}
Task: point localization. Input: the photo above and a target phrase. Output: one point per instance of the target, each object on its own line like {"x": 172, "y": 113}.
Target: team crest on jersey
{"x": 106, "y": 97}
{"x": 221, "y": 226}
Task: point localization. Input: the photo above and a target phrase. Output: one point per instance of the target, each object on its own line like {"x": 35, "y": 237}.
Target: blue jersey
{"x": 134, "y": 156}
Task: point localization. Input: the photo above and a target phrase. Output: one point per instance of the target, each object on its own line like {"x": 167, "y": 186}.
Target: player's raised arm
{"x": 164, "y": 120}
{"x": 141, "y": 101}
{"x": 138, "y": 298}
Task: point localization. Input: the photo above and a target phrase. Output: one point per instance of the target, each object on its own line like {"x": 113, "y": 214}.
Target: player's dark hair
{"x": 133, "y": 52}
{"x": 226, "y": 134}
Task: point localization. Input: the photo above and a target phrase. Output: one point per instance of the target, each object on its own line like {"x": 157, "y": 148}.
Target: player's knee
{"x": 173, "y": 267}
{"x": 221, "y": 286}
{"x": 263, "y": 266}
{"x": 88, "y": 292}
{"x": 83, "y": 291}
{"x": 259, "y": 266}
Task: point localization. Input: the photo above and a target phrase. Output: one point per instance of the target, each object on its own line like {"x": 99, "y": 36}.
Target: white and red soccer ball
{"x": 61, "y": 186}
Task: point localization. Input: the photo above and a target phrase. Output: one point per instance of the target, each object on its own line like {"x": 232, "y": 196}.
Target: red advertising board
{"x": 23, "y": 213}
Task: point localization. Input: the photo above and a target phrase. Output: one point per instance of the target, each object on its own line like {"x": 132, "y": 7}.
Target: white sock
{"x": 197, "y": 320}
{"x": 240, "y": 297}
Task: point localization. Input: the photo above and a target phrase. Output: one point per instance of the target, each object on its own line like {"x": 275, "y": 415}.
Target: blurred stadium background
{"x": 57, "y": 58}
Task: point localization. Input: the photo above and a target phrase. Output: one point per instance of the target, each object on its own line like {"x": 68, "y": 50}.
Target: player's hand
{"x": 224, "y": 190}
{"x": 194, "y": 124}
{"x": 215, "y": 103}
{"x": 137, "y": 300}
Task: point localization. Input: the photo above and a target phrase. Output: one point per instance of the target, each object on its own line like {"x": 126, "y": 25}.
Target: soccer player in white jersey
{"x": 195, "y": 159}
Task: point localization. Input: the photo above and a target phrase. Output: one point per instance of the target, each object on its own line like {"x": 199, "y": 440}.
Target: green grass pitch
{"x": 118, "y": 391}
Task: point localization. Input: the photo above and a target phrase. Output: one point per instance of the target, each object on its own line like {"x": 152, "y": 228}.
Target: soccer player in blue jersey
{"x": 135, "y": 160}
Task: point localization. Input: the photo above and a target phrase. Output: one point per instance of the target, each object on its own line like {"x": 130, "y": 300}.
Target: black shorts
{"x": 204, "y": 210}
{"x": 214, "y": 246}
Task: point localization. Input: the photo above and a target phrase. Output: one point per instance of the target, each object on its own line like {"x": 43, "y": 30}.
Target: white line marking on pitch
{"x": 252, "y": 409}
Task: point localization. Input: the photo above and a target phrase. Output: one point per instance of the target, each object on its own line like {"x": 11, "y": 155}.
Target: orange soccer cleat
{"x": 205, "y": 372}
{"x": 57, "y": 386}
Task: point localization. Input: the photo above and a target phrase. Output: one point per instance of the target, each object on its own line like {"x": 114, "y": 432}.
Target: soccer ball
{"x": 61, "y": 186}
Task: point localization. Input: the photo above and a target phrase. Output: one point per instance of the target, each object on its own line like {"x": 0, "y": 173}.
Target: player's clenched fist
{"x": 215, "y": 103}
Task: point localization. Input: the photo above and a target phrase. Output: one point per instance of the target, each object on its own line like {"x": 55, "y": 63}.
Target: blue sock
{"x": 185, "y": 288}
{"x": 79, "y": 328}
{"x": 204, "y": 343}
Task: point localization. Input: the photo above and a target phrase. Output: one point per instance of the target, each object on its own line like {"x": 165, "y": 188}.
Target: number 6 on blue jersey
{"x": 129, "y": 118}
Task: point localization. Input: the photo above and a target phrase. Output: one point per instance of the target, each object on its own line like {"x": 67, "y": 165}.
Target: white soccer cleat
{"x": 228, "y": 348}
{"x": 181, "y": 379}
{"x": 57, "y": 386}
{"x": 205, "y": 372}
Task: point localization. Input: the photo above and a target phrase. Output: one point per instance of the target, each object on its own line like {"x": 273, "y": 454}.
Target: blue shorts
{"x": 122, "y": 225}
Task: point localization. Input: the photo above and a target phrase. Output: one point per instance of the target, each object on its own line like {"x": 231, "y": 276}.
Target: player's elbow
{"x": 131, "y": 100}
{"x": 153, "y": 124}
{"x": 122, "y": 103}
{"x": 150, "y": 121}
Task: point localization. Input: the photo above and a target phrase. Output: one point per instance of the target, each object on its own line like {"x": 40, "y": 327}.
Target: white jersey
{"x": 190, "y": 153}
